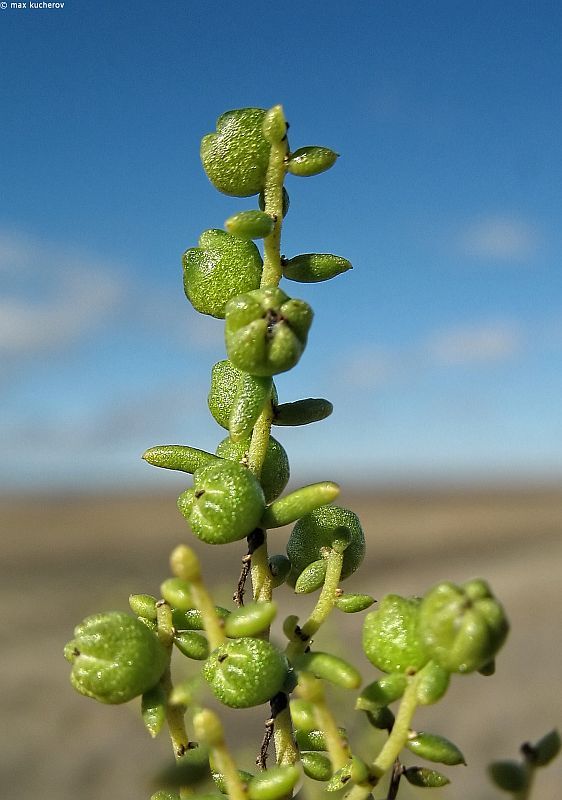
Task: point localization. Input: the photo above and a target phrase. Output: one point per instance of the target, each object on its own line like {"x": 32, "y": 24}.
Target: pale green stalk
{"x": 174, "y": 714}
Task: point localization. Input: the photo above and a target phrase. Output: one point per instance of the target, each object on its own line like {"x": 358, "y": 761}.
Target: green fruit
{"x": 227, "y": 383}
{"x": 266, "y": 331}
{"x": 390, "y": 635}
{"x": 114, "y": 657}
{"x": 308, "y": 161}
{"x": 463, "y": 627}
{"x": 314, "y": 267}
{"x": 245, "y": 672}
{"x": 220, "y": 268}
{"x": 275, "y": 470}
{"x": 250, "y": 224}
{"x": 315, "y": 532}
{"x": 225, "y": 504}
{"x": 236, "y": 157}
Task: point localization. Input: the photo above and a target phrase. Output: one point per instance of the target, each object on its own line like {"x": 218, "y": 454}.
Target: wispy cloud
{"x": 499, "y": 238}
{"x": 52, "y": 295}
{"x": 467, "y": 345}
{"x": 471, "y": 344}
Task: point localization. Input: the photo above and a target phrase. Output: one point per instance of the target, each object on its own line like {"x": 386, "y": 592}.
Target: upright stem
{"x": 174, "y": 714}
{"x": 271, "y": 275}
{"x": 400, "y": 730}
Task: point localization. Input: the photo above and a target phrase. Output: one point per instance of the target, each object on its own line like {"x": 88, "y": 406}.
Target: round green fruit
{"x": 114, "y": 657}
{"x": 245, "y": 672}
{"x": 225, "y": 504}
{"x": 463, "y": 627}
{"x": 236, "y": 157}
{"x": 315, "y": 533}
{"x": 220, "y": 268}
{"x": 226, "y": 382}
{"x": 275, "y": 470}
{"x": 391, "y": 640}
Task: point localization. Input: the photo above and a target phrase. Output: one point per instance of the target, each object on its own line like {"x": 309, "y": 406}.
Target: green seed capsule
{"x": 177, "y": 593}
{"x": 226, "y": 385}
{"x": 316, "y": 766}
{"x": 316, "y": 531}
{"x": 546, "y": 749}
{"x": 220, "y": 268}
{"x": 463, "y": 627}
{"x": 143, "y": 605}
{"x": 312, "y": 577}
{"x": 225, "y": 504}
{"x": 302, "y": 412}
{"x": 425, "y": 778}
{"x": 250, "y": 620}
{"x": 308, "y": 161}
{"x": 315, "y": 267}
{"x": 254, "y": 393}
{"x": 353, "y": 603}
{"x": 435, "y": 748}
{"x": 245, "y": 672}
{"x": 192, "y": 644}
{"x": 178, "y": 456}
{"x": 330, "y": 668}
{"x": 286, "y": 201}
{"x": 220, "y": 782}
{"x": 508, "y": 775}
{"x": 274, "y": 126}
{"x": 153, "y": 710}
{"x": 250, "y": 224}
{"x": 432, "y": 683}
{"x": 114, "y": 657}
{"x": 315, "y": 739}
{"x": 274, "y": 783}
{"x": 266, "y": 331}
{"x": 390, "y": 635}
{"x": 236, "y": 157}
{"x": 279, "y": 567}
{"x": 298, "y": 504}
{"x": 382, "y": 692}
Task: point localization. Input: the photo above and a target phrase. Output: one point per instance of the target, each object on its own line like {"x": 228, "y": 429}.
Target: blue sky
{"x": 441, "y": 350}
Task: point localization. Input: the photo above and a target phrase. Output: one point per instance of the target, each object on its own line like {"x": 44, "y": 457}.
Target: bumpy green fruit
{"x": 266, "y": 331}
{"x": 390, "y": 635}
{"x": 317, "y": 531}
{"x": 275, "y": 470}
{"x": 463, "y": 627}
{"x": 114, "y": 657}
{"x": 225, "y": 504}
{"x": 245, "y": 672}
{"x": 226, "y": 383}
{"x": 220, "y": 268}
{"x": 236, "y": 157}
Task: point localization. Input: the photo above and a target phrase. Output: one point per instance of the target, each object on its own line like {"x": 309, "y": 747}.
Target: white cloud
{"x": 489, "y": 342}
{"x": 499, "y": 238}
{"x": 53, "y": 295}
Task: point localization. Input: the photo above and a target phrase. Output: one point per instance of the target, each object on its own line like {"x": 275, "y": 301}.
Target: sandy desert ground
{"x": 66, "y": 557}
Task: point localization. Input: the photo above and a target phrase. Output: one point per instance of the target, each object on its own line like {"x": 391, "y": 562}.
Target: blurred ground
{"x": 66, "y": 557}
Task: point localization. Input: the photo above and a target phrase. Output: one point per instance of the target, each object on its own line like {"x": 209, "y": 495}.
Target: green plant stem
{"x": 224, "y": 763}
{"x": 323, "y": 606}
{"x": 285, "y": 746}
{"x": 214, "y": 627}
{"x": 271, "y": 275}
{"x": 174, "y": 714}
